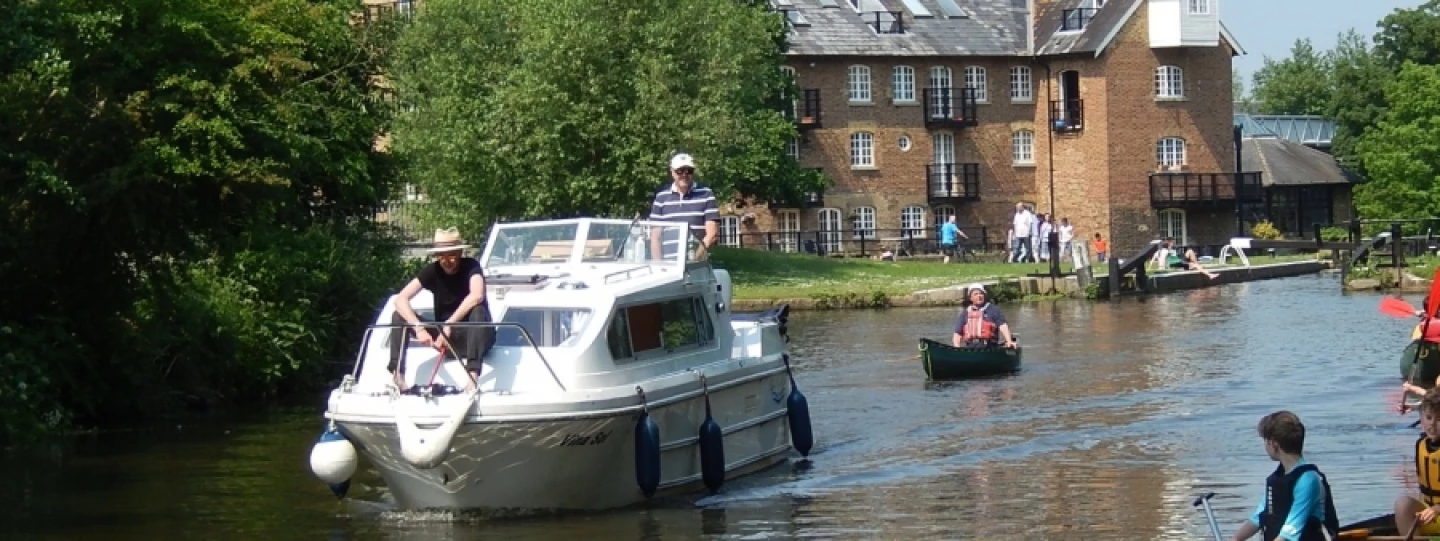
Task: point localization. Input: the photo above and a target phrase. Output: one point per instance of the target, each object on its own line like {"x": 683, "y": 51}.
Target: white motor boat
{"x": 618, "y": 374}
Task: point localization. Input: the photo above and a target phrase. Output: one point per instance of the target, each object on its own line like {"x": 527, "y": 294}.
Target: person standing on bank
{"x": 457, "y": 284}
{"x": 949, "y": 243}
{"x": 685, "y": 201}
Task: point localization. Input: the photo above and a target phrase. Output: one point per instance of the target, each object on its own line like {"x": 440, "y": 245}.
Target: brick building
{"x": 919, "y": 109}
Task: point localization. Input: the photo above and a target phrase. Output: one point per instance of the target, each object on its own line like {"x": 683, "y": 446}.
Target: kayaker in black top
{"x": 1297, "y": 504}
{"x": 457, "y": 284}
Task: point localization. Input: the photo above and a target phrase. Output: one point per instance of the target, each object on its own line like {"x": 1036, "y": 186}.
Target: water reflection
{"x": 1123, "y": 412}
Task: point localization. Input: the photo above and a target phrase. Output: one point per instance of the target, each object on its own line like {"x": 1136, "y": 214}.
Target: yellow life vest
{"x": 1427, "y": 470}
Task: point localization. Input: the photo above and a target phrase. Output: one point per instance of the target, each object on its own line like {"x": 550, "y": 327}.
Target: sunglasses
{"x": 448, "y": 256}
{"x": 685, "y": 171}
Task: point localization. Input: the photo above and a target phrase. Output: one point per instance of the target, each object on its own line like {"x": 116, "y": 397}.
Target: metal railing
{"x": 863, "y": 242}
{"x": 1067, "y": 114}
{"x": 1074, "y": 20}
{"x": 952, "y": 181}
{"x": 947, "y": 107}
{"x": 404, "y": 351}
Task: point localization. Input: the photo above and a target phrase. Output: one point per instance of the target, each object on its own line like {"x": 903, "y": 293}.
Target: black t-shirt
{"x": 449, "y": 289}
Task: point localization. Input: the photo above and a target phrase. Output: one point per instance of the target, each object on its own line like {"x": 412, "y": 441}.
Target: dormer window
{"x": 886, "y": 22}
{"x": 1199, "y": 7}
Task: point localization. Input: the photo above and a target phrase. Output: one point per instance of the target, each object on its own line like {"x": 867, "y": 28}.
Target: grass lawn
{"x": 760, "y": 275}
{"x": 773, "y": 275}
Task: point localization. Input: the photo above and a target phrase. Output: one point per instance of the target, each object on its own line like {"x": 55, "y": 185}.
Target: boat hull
{"x": 1428, "y": 359}
{"x": 945, "y": 362}
{"x": 586, "y": 461}
{"x": 1381, "y": 528}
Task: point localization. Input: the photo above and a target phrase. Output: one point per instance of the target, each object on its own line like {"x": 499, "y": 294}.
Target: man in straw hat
{"x": 457, "y": 284}
{"x": 981, "y": 324}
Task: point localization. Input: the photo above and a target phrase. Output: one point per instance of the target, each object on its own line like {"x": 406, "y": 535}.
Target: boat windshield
{"x": 587, "y": 240}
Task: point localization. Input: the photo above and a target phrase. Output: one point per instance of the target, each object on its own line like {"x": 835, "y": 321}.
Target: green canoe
{"x": 1429, "y": 360}
{"x": 943, "y": 361}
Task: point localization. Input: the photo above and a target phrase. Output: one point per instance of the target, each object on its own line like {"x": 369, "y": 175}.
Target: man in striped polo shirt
{"x": 686, "y": 201}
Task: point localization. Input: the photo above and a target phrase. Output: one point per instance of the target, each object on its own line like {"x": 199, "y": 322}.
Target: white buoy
{"x": 333, "y": 458}
{"x": 426, "y": 449}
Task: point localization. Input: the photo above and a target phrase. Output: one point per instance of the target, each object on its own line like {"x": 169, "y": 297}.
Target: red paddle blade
{"x": 1432, "y": 302}
{"x": 1392, "y": 306}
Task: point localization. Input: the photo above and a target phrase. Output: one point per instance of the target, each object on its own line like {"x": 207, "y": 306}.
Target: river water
{"x": 1123, "y": 413}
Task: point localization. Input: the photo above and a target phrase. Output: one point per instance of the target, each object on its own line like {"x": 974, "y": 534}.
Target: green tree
{"x": 1410, "y": 35}
{"x": 1402, "y": 152}
{"x": 561, "y": 107}
{"x": 1298, "y": 85}
{"x": 1358, "y": 100}
{"x": 1243, "y": 102}
{"x": 149, "y": 145}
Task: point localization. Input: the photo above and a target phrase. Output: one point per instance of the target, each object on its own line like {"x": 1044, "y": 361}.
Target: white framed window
{"x": 864, "y": 222}
{"x": 942, "y": 97}
{"x": 859, "y": 84}
{"x": 1170, "y": 152}
{"x": 942, "y": 214}
{"x": 862, "y": 150}
{"x": 912, "y": 221}
{"x": 1172, "y": 224}
{"x": 830, "y": 228}
{"x": 791, "y": 78}
{"x": 1169, "y": 82}
{"x": 788, "y": 223}
{"x": 903, "y": 86}
{"x": 975, "y": 78}
{"x": 1022, "y": 147}
{"x": 405, "y": 7}
{"x": 792, "y": 148}
{"x": 943, "y": 145}
{"x": 1199, "y": 7}
{"x": 1022, "y": 90}
{"x": 730, "y": 231}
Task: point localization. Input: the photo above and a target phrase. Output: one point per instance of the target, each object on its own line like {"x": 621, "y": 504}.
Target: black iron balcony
{"x": 886, "y": 22}
{"x": 1075, "y": 20}
{"x": 809, "y": 114}
{"x": 1067, "y": 115}
{"x": 1185, "y": 189}
{"x": 947, "y": 107}
{"x": 947, "y": 183}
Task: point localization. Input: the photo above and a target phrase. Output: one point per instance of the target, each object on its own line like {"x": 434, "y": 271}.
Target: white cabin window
{"x": 548, "y": 327}
{"x": 659, "y": 327}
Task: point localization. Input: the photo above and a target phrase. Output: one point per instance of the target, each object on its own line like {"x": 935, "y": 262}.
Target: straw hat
{"x": 447, "y": 240}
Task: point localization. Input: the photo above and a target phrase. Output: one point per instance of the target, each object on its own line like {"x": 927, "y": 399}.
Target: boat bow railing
{"x": 370, "y": 331}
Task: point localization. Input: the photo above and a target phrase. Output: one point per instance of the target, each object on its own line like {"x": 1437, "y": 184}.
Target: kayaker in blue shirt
{"x": 948, "y": 241}
{"x": 1297, "y": 505}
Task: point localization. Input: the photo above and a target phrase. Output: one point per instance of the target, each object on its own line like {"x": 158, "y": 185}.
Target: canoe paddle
{"x": 1209, "y": 514}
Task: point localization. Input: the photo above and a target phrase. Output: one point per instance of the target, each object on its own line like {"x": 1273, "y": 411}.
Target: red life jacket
{"x": 976, "y": 327}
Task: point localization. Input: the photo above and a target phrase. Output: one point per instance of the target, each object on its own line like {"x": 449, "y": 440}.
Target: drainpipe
{"x": 1239, "y": 169}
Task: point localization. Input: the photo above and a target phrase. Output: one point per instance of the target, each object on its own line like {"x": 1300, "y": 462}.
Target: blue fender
{"x": 798, "y": 413}
{"x": 712, "y": 451}
{"x": 647, "y": 454}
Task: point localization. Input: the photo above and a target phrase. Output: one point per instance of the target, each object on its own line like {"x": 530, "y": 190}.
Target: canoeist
{"x": 1426, "y": 505}
{"x": 981, "y": 324}
{"x": 1297, "y": 505}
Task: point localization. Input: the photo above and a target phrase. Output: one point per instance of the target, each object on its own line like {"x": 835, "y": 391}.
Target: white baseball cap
{"x": 681, "y": 160}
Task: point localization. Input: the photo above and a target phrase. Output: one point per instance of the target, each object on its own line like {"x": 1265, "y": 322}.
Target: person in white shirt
{"x": 1067, "y": 234}
{"x": 1044, "y": 236}
{"x": 1024, "y": 222}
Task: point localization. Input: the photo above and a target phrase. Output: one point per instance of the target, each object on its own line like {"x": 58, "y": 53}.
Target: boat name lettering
{"x": 577, "y": 440}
